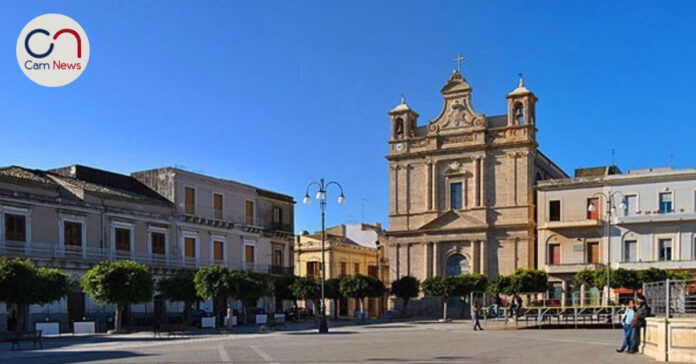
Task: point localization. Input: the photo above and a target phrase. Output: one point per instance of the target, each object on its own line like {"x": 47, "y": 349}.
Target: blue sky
{"x": 280, "y": 93}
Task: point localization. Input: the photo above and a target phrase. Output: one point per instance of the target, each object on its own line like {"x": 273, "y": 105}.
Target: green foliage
{"x": 501, "y": 284}
{"x": 332, "y": 289}
{"x": 625, "y": 278}
{"x": 248, "y": 286}
{"x": 600, "y": 278}
{"x": 121, "y": 282}
{"x": 179, "y": 287}
{"x": 679, "y": 275}
{"x": 406, "y": 287}
{"x": 22, "y": 283}
{"x": 281, "y": 287}
{"x": 529, "y": 281}
{"x": 442, "y": 287}
{"x": 375, "y": 287}
{"x": 470, "y": 282}
{"x": 356, "y": 286}
{"x": 586, "y": 277}
{"x": 652, "y": 275}
{"x": 50, "y": 284}
{"x": 212, "y": 282}
{"x": 306, "y": 288}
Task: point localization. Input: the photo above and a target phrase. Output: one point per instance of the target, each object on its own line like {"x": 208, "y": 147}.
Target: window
{"x": 631, "y": 205}
{"x": 457, "y": 264}
{"x": 72, "y": 233}
{"x": 278, "y": 257}
{"x": 665, "y": 202}
{"x": 249, "y": 254}
{"x": 313, "y": 270}
{"x": 123, "y": 239}
{"x": 344, "y": 269}
{"x": 277, "y": 215}
{"x": 594, "y": 214}
{"x": 15, "y": 227}
{"x": 190, "y": 247}
{"x": 555, "y": 210}
{"x": 357, "y": 268}
{"x": 217, "y": 206}
{"x": 218, "y": 250}
{"x": 250, "y": 212}
{"x": 372, "y": 271}
{"x": 630, "y": 251}
{"x": 519, "y": 113}
{"x": 158, "y": 240}
{"x": 593, "y": 252}
{"x": 554, "y": 254}
{"x": 456, "y": 196}
{"x": 664, "y": 247}
{"x": 190, "y": 200}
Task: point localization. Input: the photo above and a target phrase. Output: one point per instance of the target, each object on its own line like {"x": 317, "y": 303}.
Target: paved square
{"x": 413, "y": 342}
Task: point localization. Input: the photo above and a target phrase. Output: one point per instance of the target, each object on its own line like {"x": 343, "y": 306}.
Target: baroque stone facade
{"x": 462, "y": 186}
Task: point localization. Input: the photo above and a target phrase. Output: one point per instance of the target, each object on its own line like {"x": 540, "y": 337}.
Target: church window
{"x": 555, "y": 210}
{"x": 457, "y": 264}
{"x": 456, "y": 196}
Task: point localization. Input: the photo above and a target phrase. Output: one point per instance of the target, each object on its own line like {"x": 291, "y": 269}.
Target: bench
{"x": 15, "y": 337}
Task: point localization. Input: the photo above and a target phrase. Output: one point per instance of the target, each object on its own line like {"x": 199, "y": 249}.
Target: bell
{"x": 519, "y": 112}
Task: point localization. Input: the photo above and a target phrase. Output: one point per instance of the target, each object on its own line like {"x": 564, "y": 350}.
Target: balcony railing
{"x": 54, "y": 252}
{"x": 571, "y": 267}
{"x": 568, "y": 223}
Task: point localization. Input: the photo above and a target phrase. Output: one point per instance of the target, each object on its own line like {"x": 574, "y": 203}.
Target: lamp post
{"x": 321, "y": 196}
{"x": 611, "y": 207}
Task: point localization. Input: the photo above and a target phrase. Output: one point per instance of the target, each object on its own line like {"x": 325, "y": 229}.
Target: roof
{"x": 658, "y": 174}
{"x": 520, "y": 90}
{"x": 31, "y": 175}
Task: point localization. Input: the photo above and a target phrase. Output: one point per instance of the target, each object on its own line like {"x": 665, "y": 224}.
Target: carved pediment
{"x": 458, "y": 168}
{"x": 453, "y": 220}
{"x": 457, "y": 112}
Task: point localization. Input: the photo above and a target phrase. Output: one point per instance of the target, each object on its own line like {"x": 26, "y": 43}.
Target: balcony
{"x": 656, "y": 216}
{"x": 669, "y": 265}
{"x": 569, "y": 224}
{"x": 571, "y": 267}
{"x": 49, "y": 254}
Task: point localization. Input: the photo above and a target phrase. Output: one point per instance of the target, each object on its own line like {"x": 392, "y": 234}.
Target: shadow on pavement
{"x": 318, "y": 334}
{"x": 48, "y": 357}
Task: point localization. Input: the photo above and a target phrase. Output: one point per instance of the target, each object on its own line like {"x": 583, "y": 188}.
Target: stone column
{"x": 476, "y": 256}
{"x": 477, "y": 195}
{"x": 408, "y": 259}
{"x": 434, "y": 184}
{"x": 426, "y": 259}
{"x": 429, "y": 185}
{"x": 435, "y": 259}
{"x": 398, "y": 262}
{"x": 484, "y": 256}
{"x": 482, "y": 182}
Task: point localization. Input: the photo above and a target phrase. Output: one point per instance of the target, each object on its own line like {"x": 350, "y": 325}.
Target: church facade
{"x": 462, "y": 186}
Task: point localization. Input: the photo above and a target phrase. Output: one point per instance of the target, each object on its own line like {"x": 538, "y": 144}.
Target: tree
{"x": 468, "y": 283}
{"x": 679, "y": 275}
{"x": 212, "y": 283}
{"x": 282, "y": 291}
{"x": 307, "y": 288}
{"x": 442, "y": 287}
{"x": 625, "y": 278}
{"x": 121, "y": 283}
{"x": 358, "y": 287}
{"x": 652, "y": 275}
{"x": 23, "y": 284}
{"x": 251, "y": 287}
{"x": 405, "y": 288}
{"x": 586, "y": 277}
{"x": 501, "y": 284}
{"x": 529, "y": 281}
{"x": 332, "y": 291}
{"x": 180, "y": 287}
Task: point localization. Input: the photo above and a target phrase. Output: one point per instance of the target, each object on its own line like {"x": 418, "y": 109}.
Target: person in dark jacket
{"x": 516, "y": 305}
{"x": 476, "y": 314}
{"x": 638, "y": 323}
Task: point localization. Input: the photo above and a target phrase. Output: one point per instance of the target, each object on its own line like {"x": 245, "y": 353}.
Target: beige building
{"x": 349, "y": 249}
{"x": 653, "y": 224}
{"x": 73, "y": 217}
{"x": 462, "y": 186}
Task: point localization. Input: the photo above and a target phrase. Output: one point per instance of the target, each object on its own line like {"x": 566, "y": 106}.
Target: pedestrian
{"x": 497, "y": 301}
{"x": 516, "y": 304}
{"x": 638, "y": 323}
{"x": 626, "y": 319}
{"x": 476, "y": 313}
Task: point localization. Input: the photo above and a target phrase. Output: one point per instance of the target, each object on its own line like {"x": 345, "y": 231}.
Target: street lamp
{"x": 611, "y": 208}
{"x": 321, "y": 196}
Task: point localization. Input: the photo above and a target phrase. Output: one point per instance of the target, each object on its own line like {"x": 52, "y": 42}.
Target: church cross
{"x": 459, "y": 60}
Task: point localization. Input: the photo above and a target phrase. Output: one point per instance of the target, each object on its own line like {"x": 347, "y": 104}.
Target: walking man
{"x": 476, "y": 313}
{"x": 516, "y": 304}
{"x": 626, "y": 319}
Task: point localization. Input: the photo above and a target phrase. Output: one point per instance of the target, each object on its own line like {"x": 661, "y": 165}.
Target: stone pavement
{"x": 411, "y": 342}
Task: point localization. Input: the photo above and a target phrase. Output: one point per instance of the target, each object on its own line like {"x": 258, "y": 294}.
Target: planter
{"x": 261, "y": 319}
{"x": 84, "y": 328}
{"x": 48, "y": 328}
{"x": 208, "y": 322}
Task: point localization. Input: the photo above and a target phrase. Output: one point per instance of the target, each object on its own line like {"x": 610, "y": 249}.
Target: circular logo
{"x": 52, "y": 50}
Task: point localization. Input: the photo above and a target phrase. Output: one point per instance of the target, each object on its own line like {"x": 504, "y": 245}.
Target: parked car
{"x": 196, "y": 316}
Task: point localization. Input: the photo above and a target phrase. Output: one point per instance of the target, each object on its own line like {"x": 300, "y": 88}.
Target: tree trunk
{"x": 187, "y": 313}
{"x": 362, "y": 309}
{"x": 21, "y": 317}
{"x": 118, "y": 316}
{"x": 404, "y": 307}
{"x": 444, "y": 309}
{"x": 230, "y": 312}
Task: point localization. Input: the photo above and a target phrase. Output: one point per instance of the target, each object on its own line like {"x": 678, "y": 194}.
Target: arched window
{"x": 456, "y": 265}
{"x": 399, "y": 127}
{"x": 519, "y": 113}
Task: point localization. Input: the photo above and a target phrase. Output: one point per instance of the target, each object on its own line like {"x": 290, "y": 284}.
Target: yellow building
{"x": 349, "y": 249}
